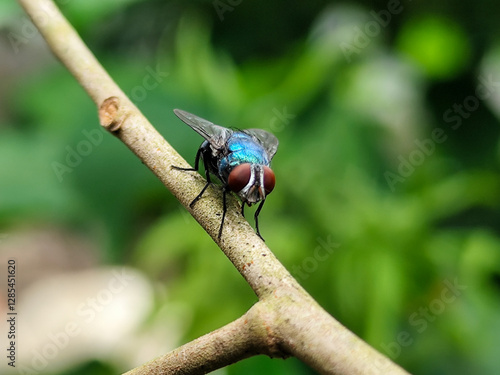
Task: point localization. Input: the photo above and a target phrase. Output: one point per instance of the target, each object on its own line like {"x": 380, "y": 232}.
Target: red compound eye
{"x": 269, "y": 180}
{"x": 239, "y": 177}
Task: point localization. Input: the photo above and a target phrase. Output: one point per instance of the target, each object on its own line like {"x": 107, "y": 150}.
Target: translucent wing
{"x": 216, "y": 135}
{"x": 268, "y": 140}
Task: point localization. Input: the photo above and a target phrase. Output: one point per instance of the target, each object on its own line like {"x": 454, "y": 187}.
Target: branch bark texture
{"x": 286, "y": 320}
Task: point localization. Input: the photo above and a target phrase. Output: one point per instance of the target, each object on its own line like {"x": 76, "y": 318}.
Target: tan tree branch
{"x": 286, "y": 320}
{"x": 243, "y": 338}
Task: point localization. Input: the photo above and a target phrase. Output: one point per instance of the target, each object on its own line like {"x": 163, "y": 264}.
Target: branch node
{"x": 111, "y": 115}
{"x": 269, "y": 340}
{"x": 274, "y": 348}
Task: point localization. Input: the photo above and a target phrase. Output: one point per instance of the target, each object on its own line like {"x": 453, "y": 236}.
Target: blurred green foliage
{"x": 403, "y": 216}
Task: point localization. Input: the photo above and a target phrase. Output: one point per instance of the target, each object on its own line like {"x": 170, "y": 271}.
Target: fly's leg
{"x": 224, "y": 209}
{"x": 209, "y": 182}
{"x": 196, "y": 165}
{"x": 243, "y": 209}
{"x": 199, "y": 195}
{"x": 257, "y": 212}
{"x": 196, "y": 162}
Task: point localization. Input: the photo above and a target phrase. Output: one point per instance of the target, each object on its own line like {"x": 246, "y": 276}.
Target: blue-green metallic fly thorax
{"x": 242, "y": 148}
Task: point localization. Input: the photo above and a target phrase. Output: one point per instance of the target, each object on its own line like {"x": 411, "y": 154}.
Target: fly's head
{"x": 252, "y": 182}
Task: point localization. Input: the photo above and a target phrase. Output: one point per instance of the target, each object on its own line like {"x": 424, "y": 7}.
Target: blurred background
{"x": 386, "y": 207}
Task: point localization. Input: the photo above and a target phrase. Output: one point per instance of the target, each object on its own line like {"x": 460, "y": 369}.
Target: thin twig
{"x": 286, "y": 320}
{"x": 217, "y": 349}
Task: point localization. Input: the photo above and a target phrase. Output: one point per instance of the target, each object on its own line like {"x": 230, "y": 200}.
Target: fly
{"x": 240, "y": 159}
